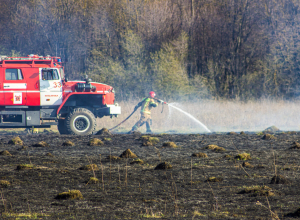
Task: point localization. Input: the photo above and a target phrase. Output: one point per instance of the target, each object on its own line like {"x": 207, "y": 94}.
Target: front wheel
{"x": 80, "y": 121}
{"x": 62, "y": 127}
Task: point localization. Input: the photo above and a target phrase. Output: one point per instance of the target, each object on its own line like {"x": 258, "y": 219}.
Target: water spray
{"x": 190, "y": 116}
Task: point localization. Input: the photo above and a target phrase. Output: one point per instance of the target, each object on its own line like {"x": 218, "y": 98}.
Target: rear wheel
{"x": 80, "y": 121}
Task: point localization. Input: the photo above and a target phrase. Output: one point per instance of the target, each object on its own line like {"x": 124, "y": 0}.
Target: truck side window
{"x": 50, "y": 75}
{"x": 13, "y": 74}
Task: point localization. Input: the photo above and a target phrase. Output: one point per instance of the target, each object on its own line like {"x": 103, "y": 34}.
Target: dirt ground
{"x": 219, "y": 186}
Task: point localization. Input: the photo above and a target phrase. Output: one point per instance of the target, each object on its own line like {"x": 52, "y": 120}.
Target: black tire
{"x": 80, "y": 121}
{"x": 62, "y": 127}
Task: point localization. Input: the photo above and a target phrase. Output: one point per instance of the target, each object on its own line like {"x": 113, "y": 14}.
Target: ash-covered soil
{"x": 219, "y": 186}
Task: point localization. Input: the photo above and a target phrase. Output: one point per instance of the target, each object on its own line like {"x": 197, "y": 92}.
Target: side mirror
{"x": 66, "y": 79}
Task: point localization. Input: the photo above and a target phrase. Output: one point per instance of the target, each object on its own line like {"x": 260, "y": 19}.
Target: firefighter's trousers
{"x": 145, "y": 118}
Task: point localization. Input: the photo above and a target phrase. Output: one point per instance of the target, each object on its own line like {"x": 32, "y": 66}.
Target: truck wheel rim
{"x": 81, "y": 123}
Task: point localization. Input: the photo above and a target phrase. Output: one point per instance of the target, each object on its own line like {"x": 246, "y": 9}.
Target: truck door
{"x": 1, "y": 86}
{"x": 14, "y": 87}
{"x": 50, "y": 87}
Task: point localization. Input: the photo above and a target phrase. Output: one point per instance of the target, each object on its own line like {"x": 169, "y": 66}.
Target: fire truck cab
{"x": 35, "y": 93}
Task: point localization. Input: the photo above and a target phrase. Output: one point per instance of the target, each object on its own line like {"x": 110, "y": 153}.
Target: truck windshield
{"x": 62, "y": 74}
{"x": 50, "y": 74}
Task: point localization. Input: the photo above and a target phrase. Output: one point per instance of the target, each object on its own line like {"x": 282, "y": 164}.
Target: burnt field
{"x": 238, "y": 176}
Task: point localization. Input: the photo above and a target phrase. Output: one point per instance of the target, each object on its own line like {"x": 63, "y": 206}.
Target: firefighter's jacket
{"x": 146, "y": 105}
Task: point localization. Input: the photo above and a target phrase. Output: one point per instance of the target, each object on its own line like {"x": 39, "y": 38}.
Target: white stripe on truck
{"x": 15, "y": 85}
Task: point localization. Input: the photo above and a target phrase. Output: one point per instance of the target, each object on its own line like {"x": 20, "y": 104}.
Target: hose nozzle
{"x": 162, "y": 101}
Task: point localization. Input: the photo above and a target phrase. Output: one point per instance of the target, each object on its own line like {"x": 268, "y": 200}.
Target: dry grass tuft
{"x": 41, "y": 144}
{"x": 268, "y": 137}
{"x": 295, "y": 145}
{"x": 110, "y": 157}
{"x": 93, "y": 180}
{"x": 128, "y": 154}
{"x": 137, "y": 161}
{"x": 149, "y": 141}
{"x": 170, "y": 144}
{"x": 201, "y": 155}
{"x": 23, "y": 148}
{"x": 279, "y": 179}
{"x": 5, "y": 153}
{"x": 4, "y": 183}
{"x": 25, "y": 166}
{"x": 215, "y": 148}
{"x": 49, "y": 155}
{"x": 163, "y": 166}
{"x": 71, "y": 194}
{"x": 232, "y": 133}
{"x": 103, "y": 131}
{"x": 260, "y": 166}
{"x": 89, "y": 167}
{"x": 16, "y": 141}
{"x": 243, "y": 156}
{"x": 248, "y": 165}
{"x": 95, "y": 142}
{"x": 30, "y": 215}
{"x": 214, "y": 179}
{"x": 68, "y": 143}
{"x": 135, "y": 132}
{"x": 258, "y": 191}
{"x": 196, "y": 214}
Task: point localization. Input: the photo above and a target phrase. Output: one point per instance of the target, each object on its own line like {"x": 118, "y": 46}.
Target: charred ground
{"x": 219, "y": 186}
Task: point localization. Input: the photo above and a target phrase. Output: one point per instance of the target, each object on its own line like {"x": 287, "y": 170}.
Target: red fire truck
{"x": 35, "y": 93}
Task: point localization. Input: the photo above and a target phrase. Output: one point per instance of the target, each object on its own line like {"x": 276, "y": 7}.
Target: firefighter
{"x": 146, "y": 104}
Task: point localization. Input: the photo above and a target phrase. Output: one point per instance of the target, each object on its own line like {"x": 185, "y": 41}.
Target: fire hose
{"x": 161, "y": 101}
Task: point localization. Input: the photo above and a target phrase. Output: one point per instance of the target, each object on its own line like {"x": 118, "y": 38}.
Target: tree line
{"x": 222, "y": 49}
